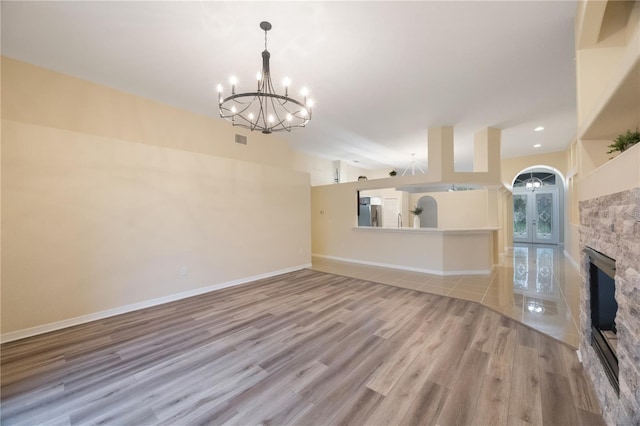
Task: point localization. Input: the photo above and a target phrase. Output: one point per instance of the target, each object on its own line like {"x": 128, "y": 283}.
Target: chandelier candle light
{"x": 265, "y": 110}
{"x": 532, "y": 183}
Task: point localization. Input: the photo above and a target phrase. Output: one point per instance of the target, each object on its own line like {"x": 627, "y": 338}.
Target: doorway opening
{"x": 537, "y": 202}
{"x": 429, "y": 218}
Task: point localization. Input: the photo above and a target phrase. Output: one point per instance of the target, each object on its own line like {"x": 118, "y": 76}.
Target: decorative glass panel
{"x": 544, "y": 215}
{"x": 545, "y": 178}
{"x": 521, "y": 267}
{"x": 544, "y": 273}
{"x": 520, "y": 228}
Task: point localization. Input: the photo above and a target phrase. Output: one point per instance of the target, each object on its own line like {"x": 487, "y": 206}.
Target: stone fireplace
{"x": 610, "y": 226}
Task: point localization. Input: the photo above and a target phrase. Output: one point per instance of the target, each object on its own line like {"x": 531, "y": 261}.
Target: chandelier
{"x": 264, "y": 109}
{"x": 532, "y": 183}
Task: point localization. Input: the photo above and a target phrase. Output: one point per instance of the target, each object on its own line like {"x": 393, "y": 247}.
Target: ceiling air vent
{"x": 241, "y": 139}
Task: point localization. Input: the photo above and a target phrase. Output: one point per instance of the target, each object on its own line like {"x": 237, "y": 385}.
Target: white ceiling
{"x": 381, "y": 73}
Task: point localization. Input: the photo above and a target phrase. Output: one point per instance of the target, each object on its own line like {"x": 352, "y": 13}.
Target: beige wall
{"x": 107, "y": 197}
{"x": 596, "y": 176}
{"x": 0, "y": 195}
{"x": 440, "y": 251}
{"x": 352, "y": 173}
{"x": 607, "y": 34}
{"x": 607, "y": 70}
{"x": 592, "y": 154}
{"x": 458, "y": 209}
{"x": 512, "y": 166}
{"x": 440, "y": 145}
{"x": 35, "y": 95}
{"x": 334, "y": 209}
{"x": 620, "y": 174}
{"x": 320, "y": 169}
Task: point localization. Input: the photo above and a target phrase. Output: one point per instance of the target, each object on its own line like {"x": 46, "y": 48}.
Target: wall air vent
{"x": 241, "y": 139}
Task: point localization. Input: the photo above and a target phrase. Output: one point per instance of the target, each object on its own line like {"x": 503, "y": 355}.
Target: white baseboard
{"x": 405, "y": 268}
{"x": 46, "y": 328}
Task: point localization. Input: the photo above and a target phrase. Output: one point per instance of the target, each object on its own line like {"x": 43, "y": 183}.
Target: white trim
{"x": 53, "y": 326}
{"x": 571, "y": 260}
{"x": 541, "y": 166}
{"x": 405, "y": 268}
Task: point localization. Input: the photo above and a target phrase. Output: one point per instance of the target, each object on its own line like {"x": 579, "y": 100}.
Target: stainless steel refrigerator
{"x": 369, "y": 215}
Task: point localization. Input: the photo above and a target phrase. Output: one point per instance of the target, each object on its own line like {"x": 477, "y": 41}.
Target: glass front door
{"x": 535, "y": 216}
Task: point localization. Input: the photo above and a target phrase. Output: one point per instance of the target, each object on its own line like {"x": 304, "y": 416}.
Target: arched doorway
{"x": 537, "y": 204}
{"x": 429, "y": 216}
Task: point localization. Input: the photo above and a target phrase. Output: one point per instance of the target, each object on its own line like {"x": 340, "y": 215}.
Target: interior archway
{"x": 538, "y": 205}
{"x": 540, "y": 169}
{"x": 429, "y": 216}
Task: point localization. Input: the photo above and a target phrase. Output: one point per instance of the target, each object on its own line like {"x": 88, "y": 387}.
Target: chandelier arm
{"x": 245, "y": 105}
{"x": 262, "y": 116}
{"x": 253, "y": 124}
{"x": 274, "y": 112}
{"x": 264, "y": 95}
{"x": 282, "y": 101}
{"x": 297, "y": 114}
{"x": 261, "y": 121}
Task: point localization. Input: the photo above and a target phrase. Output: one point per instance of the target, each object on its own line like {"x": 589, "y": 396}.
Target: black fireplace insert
{"x": 602, "y": 284}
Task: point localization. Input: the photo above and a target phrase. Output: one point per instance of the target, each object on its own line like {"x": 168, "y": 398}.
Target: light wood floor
{"x": 305, "y": 348}
{"x": 539, "y": 276}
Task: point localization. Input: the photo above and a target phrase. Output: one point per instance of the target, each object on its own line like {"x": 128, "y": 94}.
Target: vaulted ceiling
{"x": 381, "y": 73}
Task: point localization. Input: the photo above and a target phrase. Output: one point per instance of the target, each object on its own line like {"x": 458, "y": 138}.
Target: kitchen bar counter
{"x": 430, "y": 250}
{"x": 428, "y": 230}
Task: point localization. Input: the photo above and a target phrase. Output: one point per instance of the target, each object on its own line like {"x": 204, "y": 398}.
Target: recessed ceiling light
{"x": 538, "y": 145}
{"x": 538, "y": 129}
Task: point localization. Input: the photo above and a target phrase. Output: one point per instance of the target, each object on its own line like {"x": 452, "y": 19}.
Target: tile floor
{"x": 534, "y": 284}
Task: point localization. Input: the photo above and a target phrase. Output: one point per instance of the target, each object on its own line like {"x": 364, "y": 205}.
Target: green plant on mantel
{"x": 393, "y": 173}
{"x": 624, "y": 141}
{"x": 416, "y": 211}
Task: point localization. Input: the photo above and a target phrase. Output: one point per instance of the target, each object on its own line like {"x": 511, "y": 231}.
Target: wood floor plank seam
{"x": 305, "y": 348}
